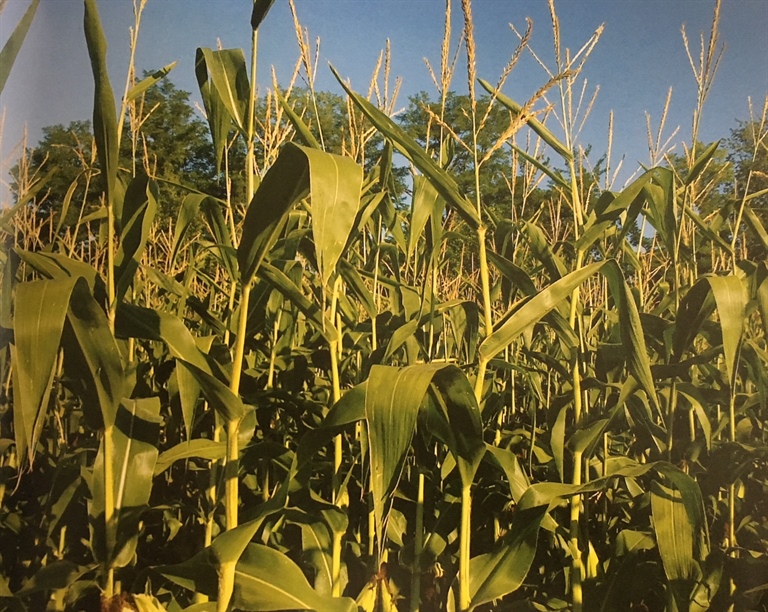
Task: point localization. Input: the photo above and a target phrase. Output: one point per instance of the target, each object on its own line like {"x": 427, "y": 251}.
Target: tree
{"x": 69, "y": 150}
{"x": 163, "y": 136}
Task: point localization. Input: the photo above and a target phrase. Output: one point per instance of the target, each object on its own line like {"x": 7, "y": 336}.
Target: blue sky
{"x": 639, "y": 57}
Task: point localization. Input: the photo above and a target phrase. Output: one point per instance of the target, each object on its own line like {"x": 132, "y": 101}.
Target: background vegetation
{"x": 302, "y": 354}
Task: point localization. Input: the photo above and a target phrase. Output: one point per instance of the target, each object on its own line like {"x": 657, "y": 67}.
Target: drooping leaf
{"x": 542, "y": 250}
{"x": 730, "y": 299}
{"x": 284, "y": 184}
{"x": 219, "y": 120}
{"x": 88, "y": 340}
{"x": 302, "y": 129}
{"x": 224, "y": 401}
{"x": 133, "y": 439}
{"x": 133, "y": 321}
{"x": 442, "y": 181}
{"x": 629, "y": 201}
{"x": 334, "y": 183}
{"x": 426, "y": 201}
{"x": 674, "y": 536}
{"x": 228, "y": 75}
{"x": 14, "y": 42}
{"x": 533, "y": 310}
{"x": 40, "y": 311}
{"x": 197, "y": 448}
{"x": 392, "y": 402}
{"x": 188, "y": 211}
{"x": 138, "y": 214}
{"x": 57, "y": 266}
{"x": 282, "y": 283}
{"x": 456, "y": 419}
{"x": 266, "y": 579}
{"x": 753, "y": 221}
{"x": 500, "y": 572}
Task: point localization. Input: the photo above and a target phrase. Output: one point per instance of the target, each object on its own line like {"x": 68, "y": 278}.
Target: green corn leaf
{"x": 104, "y": 115}
{"x": 138, "y": 214}
{"x": 454, "y": 417}
{"x": 553, "y": 174}
{"x": 260, "y": 10}
{"x": 285, "y": 183}
{"x": 188, "y": 212}
{"x": 400, "y": 337}
{"x": 202, "y": 572}
{"x": 662, "y": 209}
{"x": 674, "y": 536}
{"x": 219, "y": 120}
{"x": 532, "y": 122}
{"x": 502, "y": 571}
{"x": 56, "y": 575}
{"x": 41, "y": 309}
{"x": 138, "y": 322}
{"x": 707, "y": 231}
{"x": 630, "y": 201}
{"x": 753, "y": 221}
{"x": 533, "y": 310}
{"x": 88, "y": 341}
{"x": 442, "y": 181}
{"x": 392, "y": 402}
{"x": 219, "y": 395}
{"x": 229, "y": 78}
{"x": 133, "y": 438}
{"x": 357, "y": 286}
{"x": 709, "y": 584}
{"x": 509, "y": 463}
{"x": 266, "y": 579}
{"x": 65, "y": 204}
{"x": 197, "y": 448}
{"x": 425, "y": 205}
{"x": 316, "y": 545}
{"x": 142, "y": 86}
{"x": 334, "y": 183}
{"x": 56, "y": 266}
{"x": 218, "y": 227}
{"x": 13, "y": 44}
{"x": 730, "y": 299}
{"x": 188, "y": 393}
{"x": 631, "y": 330}
{"x": 701, "y": 163}
{"x": 282, "y": 283}
{"x": 542, "y": 249}
{"x": 349, "y": 409}
{"x": 302, "y": 129}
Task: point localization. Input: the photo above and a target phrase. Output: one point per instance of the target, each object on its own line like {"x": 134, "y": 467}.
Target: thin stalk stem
{"x": 466, "y": 515}
{"x": 233, "y": 450}
{"x": 109, "y": 508}
{"x": 333, "y": 347}
{"x": 336, "y": 564}
{"x": 418, "y": 543}
{"x": 485, "y": 281}
{"x": 577, "y": 567}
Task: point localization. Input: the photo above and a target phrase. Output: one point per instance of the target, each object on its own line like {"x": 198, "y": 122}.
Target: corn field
{"x": 288, "y": 399}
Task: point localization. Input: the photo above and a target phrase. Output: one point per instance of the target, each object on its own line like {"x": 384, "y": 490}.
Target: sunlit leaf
{"x": 13, "y": 44}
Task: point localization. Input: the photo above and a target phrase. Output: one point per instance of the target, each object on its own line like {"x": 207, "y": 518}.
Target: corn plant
{"x": 284, "y": 399}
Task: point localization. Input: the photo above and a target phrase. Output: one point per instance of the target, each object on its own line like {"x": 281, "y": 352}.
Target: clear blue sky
{"x": 638, "y": 58}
